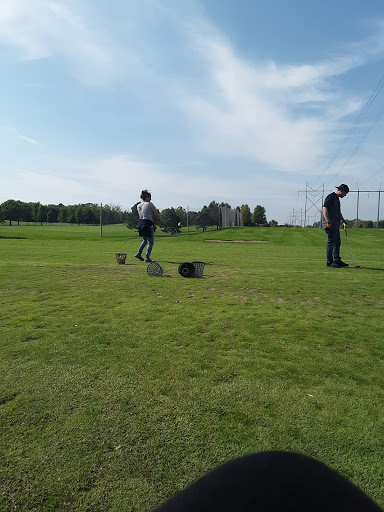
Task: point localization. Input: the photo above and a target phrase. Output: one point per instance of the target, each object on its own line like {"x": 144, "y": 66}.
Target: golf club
{"x": 346, "y": 234}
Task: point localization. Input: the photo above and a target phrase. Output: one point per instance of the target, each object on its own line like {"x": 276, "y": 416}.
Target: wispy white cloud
{"x": 284, "y": 117}
{"x": 251, "y": 109}
{"x": 46, "y": 28}
{"x": 28, "y": 139}
{"x": 48, "y": 188}
{"x": 124, "y": 177}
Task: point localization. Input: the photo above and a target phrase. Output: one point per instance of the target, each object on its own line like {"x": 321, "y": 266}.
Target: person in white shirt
{"x": 146, "y": 210}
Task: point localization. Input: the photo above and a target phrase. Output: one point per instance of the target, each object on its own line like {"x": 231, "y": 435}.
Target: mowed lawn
{"x": 118, "y": 389}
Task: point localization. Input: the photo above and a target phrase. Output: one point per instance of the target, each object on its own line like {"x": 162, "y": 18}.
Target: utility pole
{"x": 378, "y": 209}
{"x": 101, "y": 220}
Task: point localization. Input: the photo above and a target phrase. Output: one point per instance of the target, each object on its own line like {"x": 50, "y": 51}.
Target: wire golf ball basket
{"x": 121, "y": 257}
{"x": 186, "y": 269}
{"x": 199, "y": 268}
{"x": 154, "y": 269}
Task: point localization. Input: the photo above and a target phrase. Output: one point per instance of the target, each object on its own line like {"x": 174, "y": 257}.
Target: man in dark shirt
{"x": 331, "y": 224}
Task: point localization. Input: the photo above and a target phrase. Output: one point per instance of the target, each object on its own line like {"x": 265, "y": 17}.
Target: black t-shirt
{"x": 332, "y": 203}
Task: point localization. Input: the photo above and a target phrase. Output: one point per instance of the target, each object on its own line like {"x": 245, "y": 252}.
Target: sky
{"x": 242, "y": 101}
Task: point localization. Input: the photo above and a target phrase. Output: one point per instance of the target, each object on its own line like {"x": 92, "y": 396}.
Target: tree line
{"x": 360, "y": 224}
{"x": 88, "y": 213}
{"x": 208, "y": 216}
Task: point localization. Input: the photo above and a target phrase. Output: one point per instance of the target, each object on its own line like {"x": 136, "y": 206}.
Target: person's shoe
{"x": 139, "y": 257}
{"x": 341, "y": 263}
{"x": 333, "y": 264}
{"x": 148, "y": 260}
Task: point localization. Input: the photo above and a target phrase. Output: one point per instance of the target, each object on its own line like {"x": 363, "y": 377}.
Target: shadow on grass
{"x": 368, "y": 268}
{"x": 13, "y": 237}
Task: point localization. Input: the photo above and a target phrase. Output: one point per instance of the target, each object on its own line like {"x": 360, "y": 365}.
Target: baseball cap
{"x": 343, "y": 188}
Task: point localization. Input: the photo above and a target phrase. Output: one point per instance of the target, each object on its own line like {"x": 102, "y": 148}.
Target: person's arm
{"x": 326, "y": 217}
{"x": 156, "y": 214}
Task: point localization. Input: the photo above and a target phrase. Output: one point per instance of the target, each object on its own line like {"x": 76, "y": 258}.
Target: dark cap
{"x": 343, "y": 188}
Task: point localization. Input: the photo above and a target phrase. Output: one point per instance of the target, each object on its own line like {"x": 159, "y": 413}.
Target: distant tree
{"x": 259, "y": 216}
{"x": 26, "y": 212}
{"x": 169, "y": 221}
{"x": 79, "y": 214}
{"x": 203, "y": 219}
{"x": 89, "y": 215}
{"x": 273, "y": 224}
{"x": 2, "y": 214}
{"x": 34, "y": 209}
{"x": 62, "y": 216}
{"x": 41, "y": 213}
{"x": 181, "y": 215}
{"x": 132, "y": 217}
{"x": 70, "y": 214}
{"x": 214, "y": 212}
{"x": 50, "y": 215}
{"x": 13, "y": 210}
{"x": 246, "y": 217}
{"x": 192, "y": 216}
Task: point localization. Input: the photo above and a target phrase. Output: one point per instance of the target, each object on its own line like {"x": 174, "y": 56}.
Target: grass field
{"x": 118, "y": 389}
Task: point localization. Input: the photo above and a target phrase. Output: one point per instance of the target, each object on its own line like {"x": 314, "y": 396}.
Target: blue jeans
{"x": 150, "y": 240}
{"x": 333, "y": 244}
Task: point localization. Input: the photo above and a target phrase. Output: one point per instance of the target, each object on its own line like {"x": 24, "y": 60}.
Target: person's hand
{"x": 329, "y": 225}
{"x": 344, "y": 225}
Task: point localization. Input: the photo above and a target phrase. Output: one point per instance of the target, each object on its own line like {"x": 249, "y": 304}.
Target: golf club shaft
{"x": 346, "y": 234}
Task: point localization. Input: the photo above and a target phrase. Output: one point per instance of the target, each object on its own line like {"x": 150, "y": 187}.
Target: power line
{"x": 372, "y": 126}
{"x": 367, "y": 106}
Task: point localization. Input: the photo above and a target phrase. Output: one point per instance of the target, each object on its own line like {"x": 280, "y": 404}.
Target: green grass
{"x": 119, "y": 389}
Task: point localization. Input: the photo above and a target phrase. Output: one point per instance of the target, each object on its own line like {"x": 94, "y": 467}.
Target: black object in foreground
{"x": 154, "y": 269}
{"x": 186, "y": 269}
{"x": 271, "y": 482}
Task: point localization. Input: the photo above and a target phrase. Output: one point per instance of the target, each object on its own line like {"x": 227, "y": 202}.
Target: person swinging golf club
{"x": 146, "y": 210}
{"x": 331, "y": 219}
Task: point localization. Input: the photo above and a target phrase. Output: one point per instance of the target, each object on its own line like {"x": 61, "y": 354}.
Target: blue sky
{"x": 242, "y": 101}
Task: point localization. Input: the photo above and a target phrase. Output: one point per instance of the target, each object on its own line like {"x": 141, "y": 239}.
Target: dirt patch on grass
{"x": 242, "y": 241}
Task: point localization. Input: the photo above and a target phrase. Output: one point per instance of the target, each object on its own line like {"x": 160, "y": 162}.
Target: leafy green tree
{"x": 41, "y": 214}
{"x": 50, "y": 215}
{"x": 132, "y": 217}
{"x": 71, "y": 214}
{"x": 273, "y": 224}
{"x": 192, "y": 216}
{"x": 246, "y": 217}
{"x": 26, "y": 212}
{"x": 181, "y": 215}
{"x": 2, "y": 214}
{"x": 259, "y": 215}
{"x": 169, "y": 221}
{"x": 89, "y": 215}
{"x": 79, "y": 214}
{"x": 214, "y": 213}
{"x": 34, "y": 210}
{"x": 203, "y": 219}
{"x": 13, "y": 210}
{"x": 62, "y": 216}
